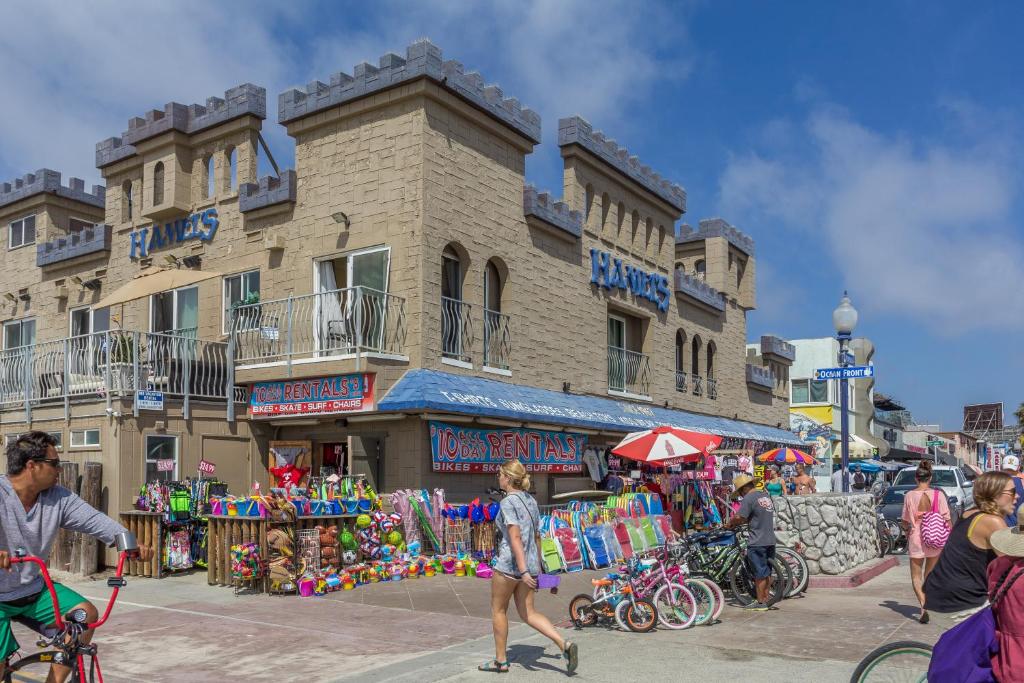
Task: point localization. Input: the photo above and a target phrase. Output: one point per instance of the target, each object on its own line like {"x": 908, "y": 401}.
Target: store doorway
{"x": 367, "y": 457}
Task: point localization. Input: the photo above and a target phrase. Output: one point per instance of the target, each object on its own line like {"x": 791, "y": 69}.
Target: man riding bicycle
{"x": 33, "y": 508}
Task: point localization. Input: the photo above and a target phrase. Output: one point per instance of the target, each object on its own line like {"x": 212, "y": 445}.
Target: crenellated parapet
{"x": 699, "y": 290}
{"x": 775, "y": 346}
{"x": 91, "y": 240}
{"x": 422, "y": 59}
{"x": 717, "y": 227}
{"x": 576, "y": 130}
{"x": 245, "y": 99}
{"x": 543, "y": 206}
{"x": 48, "y": 180}
{"x": 267, "y": 192}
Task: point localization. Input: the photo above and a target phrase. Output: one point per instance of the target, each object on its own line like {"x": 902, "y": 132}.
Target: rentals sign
{"x": 466, "y": 449}
{"x": 319, "y": 396}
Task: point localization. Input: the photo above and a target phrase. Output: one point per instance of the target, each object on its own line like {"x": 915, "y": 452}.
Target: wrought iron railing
{"x": 628, "y": 371}
{"x": 497, "y": 340}
{"x": 326, "y": 324}
{"x": 456, "y": 329}
{"x": 712, "y": 387}
{"x": 698, "y": 385}
{"x": 681, "y": 381}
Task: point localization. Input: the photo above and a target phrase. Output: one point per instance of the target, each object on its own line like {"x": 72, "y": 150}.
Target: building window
{"x": 620, "y": 218}
{"x": 85, "y": 438}
{"x": 809, "y": 391}
{"x": 636, "y": 225}
{"x": 710, "y": 369}
{"x": 211, "y": 187}
{"x": 78, "y": 224}
{"x": 695, "y": 349}
{"x": 126, "y": 198}
{"x": 497, "y": 331}
{"x": 588, "y": 202}
{"x": 680, "y": 351}
{"x": 175, "y": 312}
{"x": 59, "y": 438}
{"x": 158, "y": 184}
{"x": 741, "y": 266}
{"x": 606, "y": 206}
{"x": 241, "y": 290}
{"x": 454, "y": 312}
{"x": 85, "y": 320}
{"x": 700, "y": 270}
{"x": 160, "y": 449}
{"x": 22, "y": 232}
{"x": 18, "y": 333}
{"x": 232, "y": 159}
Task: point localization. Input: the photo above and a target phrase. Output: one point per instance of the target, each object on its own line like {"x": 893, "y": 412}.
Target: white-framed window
{"x": 85, "y": 438}
{"x": 79, "y": 224}
{"x": 21, "y": 232}
{"x": 18, "y": 333}
{"x": 161, "y": 447}
{"x": 86, "y": 320}
{"x": 239, "y": 290}
{"x": 175, "y": 312}
{"x": 809, "y": 391}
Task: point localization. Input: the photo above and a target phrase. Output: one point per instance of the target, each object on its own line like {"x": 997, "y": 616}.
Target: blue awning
{"x": 430, "y": 390}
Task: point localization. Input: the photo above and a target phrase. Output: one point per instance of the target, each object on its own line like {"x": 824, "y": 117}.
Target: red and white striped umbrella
{"x": 667, "y": 446}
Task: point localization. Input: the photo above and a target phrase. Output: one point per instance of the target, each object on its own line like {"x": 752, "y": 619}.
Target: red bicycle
{"x": 63, "y": 638}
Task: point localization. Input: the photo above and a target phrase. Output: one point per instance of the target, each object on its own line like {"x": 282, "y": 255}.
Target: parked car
{"x": 959, "y": 491}
{"x": 891, "y": 506}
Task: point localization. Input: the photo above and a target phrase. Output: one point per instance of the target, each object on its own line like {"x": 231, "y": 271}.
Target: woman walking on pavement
{"x": 915, "y": 504}
{"x": 958, "y": 586}
{"x": 516, "y": 567}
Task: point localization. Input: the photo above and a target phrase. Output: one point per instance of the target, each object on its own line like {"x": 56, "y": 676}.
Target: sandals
{"x": 572, "y": 656}
{"x": 494, "y": 666}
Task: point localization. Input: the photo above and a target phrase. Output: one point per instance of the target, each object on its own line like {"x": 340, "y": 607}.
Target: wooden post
{"x": 60, "y": 555}
{"x": 89, "y": 552}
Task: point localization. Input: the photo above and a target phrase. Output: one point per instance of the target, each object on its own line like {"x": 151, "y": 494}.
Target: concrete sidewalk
{"x": 180, "y": 629}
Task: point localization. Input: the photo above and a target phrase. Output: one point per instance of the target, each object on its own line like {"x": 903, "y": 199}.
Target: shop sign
{"x": 465, "y": 449}
{"x": 317, "y": 396}
{"x": 199, "y": 226}
{"x": 206, "y": 467}
{"x": 917, "y": 449}
{"x": 608, "y": 271}
{"x": 149, "y": 400}
{"x": 165, "y": 465}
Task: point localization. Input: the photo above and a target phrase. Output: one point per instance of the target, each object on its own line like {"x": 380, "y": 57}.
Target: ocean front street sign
{"x": 199, "y": 226}
{"x": 608, "y": 271}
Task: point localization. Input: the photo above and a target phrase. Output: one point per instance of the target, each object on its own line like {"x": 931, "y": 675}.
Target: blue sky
{"x": 865, "y": 146}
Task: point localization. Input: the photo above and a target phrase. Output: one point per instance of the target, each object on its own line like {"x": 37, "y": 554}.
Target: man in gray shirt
{"x": 33, "y": 508}
{"x": 757, "y": 510}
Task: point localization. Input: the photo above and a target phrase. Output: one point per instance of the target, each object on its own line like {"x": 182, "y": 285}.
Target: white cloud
{"x": 916, "y": 227}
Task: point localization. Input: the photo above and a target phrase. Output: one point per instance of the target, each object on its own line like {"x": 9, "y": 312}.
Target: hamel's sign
{"x": 199, "y": 226}
{"x": 608, "y": 271}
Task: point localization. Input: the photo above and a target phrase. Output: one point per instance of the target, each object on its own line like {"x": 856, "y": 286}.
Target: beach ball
{"x": 394, "y": 538}
{"x": 363, "y": 521}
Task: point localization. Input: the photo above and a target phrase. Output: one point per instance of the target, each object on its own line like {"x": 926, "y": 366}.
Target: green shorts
{"x": 39, "y": 609}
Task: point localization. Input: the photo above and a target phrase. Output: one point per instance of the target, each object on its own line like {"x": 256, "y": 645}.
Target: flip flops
{"x": 494, "y": 666}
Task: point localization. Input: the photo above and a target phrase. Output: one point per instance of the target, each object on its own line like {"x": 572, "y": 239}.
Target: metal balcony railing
{"x": 712, "y": 387}
{"x": 628, "y": 371}
{"x": 698, "y": 385}
{"x": 322, "y": 325}
{"x": 681, "y": 381}
{"x": 497, "y": 340}
{"x": 117, "y": 363}
{"x": 456, "y": 330}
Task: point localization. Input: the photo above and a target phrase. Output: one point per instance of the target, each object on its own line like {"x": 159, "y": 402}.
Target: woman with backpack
{"x": 917, "y": 504}
{"x": 958, "y": 586}
{"x": 517, "y": 564}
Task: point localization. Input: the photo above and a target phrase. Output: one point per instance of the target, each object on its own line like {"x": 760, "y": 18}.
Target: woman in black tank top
{"x": 959, "y": 581}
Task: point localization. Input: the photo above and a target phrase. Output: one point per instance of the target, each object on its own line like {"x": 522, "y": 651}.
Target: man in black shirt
{"x": 757, "y": 510}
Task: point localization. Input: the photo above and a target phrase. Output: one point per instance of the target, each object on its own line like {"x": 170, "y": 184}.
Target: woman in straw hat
{"x": 957, "y": 587}
{"x": 1008, "y": 665}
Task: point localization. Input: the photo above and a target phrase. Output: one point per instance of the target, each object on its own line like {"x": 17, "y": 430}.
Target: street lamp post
{"x": 844, "y": 319}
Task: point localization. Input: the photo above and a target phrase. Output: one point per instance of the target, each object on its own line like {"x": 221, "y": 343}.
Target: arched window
{"x": 158, "y": 184}
{"x": 454, "y": 313}
{"x": 232, "y": 159}
{"x": 127, "y": 200}
{"x": 710, "y": 369}
{"x": 606, "y": 206}
{"x": 211, "y": 187}
{"x": 497, "y": 333}
{"x": 451, "y": 274}
{"x": 588, "y": 202}
{"x": 680, "y": 360}
{"x": 636, "y": 224}
{"x": 695, "y": 349}
{"x": 492, "y": 287}
{"x": 700, "y": 269}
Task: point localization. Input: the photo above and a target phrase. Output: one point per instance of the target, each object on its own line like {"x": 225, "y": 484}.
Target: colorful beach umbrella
{"x": 666, "y": 446}
{"x": 784, "y": 456}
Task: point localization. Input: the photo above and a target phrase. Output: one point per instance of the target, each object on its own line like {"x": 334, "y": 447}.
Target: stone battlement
{"x": 422, "y": 58}
{"x": 92, "y": 240}
{"x": 267, "y": 192}
{"x": 48, "y": 180}
{"x": 717, "y": 227}
{"x": 192, "y": 118}
{"x": 552, "y": 211}
{"x": 699, "y": 290}
{"x": 576, "y": 130}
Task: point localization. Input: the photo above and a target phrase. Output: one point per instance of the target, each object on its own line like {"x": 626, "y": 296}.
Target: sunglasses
{"x": 55, "y": 462}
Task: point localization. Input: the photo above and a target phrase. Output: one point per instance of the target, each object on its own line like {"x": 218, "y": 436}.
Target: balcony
{"x": 629, "y": 373}
{"x": 497, "y": 340}
{"x": 779, "y": 348}
{"x": 116, "y": 363}
{"x": 681, "y": 381}
{"x": 760, "y": 377}
{"x": 712, "y": 386}
{"x": 698, "y": 290}
{"x": 88, "y": 241}
{"x": 456, "y": 332}
{"x": 340, "y": 323}
{"x": 698, "y": 385}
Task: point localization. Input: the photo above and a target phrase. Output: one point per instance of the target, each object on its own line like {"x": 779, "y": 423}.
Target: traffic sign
{"x": 854, "y": 372}
{"x": 934, "y": 442}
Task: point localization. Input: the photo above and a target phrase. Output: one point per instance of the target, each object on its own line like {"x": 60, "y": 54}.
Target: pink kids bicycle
{"x": 647, "y": 577}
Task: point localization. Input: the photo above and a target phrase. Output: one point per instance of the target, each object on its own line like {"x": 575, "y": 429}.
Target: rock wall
{"x": 839, "y": 531}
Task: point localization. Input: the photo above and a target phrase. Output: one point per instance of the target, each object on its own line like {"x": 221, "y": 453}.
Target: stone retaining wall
{"x": 839, "y": 531}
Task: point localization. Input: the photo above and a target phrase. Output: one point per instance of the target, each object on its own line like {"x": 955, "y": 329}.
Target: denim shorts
{"x": 760, "y": 556}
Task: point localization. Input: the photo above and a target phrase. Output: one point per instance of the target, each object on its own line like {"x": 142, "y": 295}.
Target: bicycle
{"x": 64, "y": 635}
{"x": 647, "y": 578}
{"x": 905, "y": 660}
{"x": 721, "y": 555}
{"x": 622, "y": 605}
